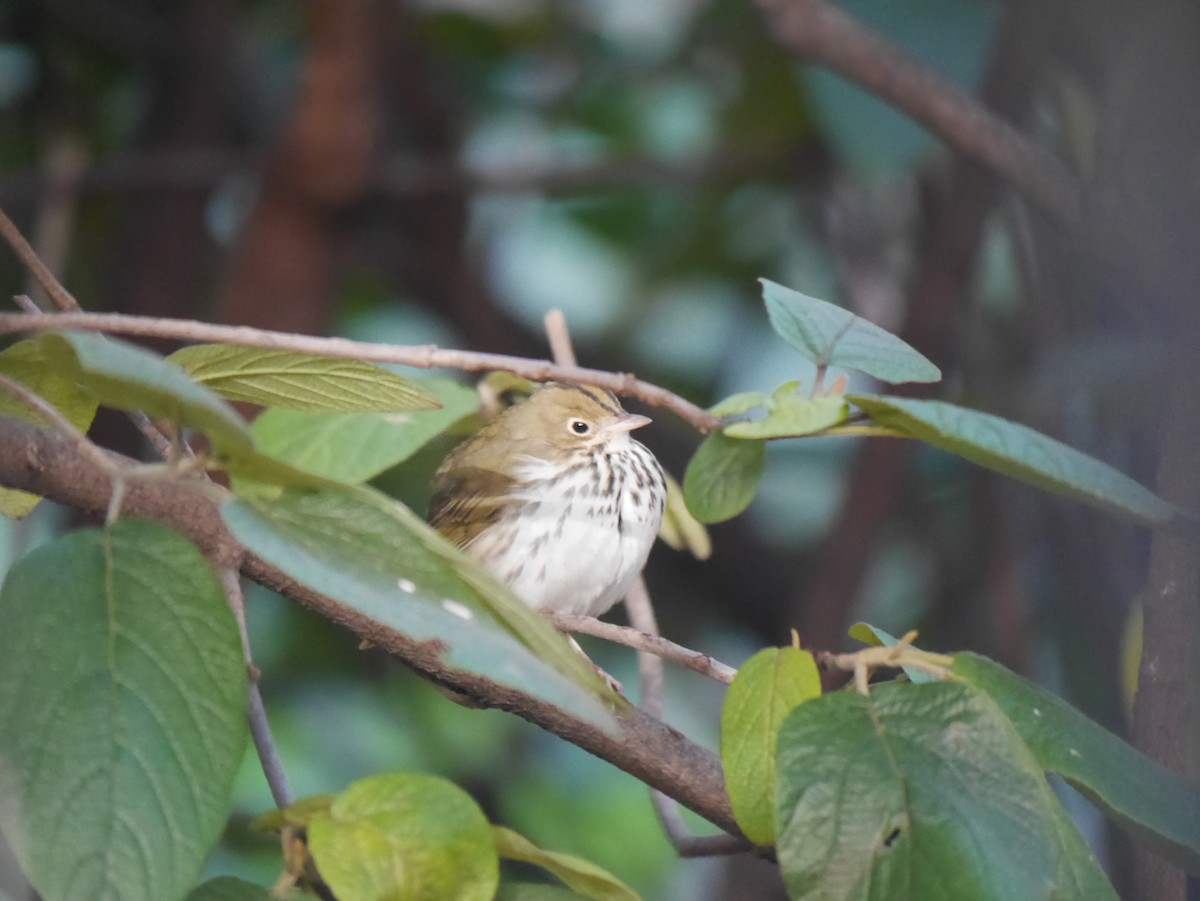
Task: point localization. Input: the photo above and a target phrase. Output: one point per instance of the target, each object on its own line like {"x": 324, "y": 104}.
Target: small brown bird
{"x": 555, "y": 498}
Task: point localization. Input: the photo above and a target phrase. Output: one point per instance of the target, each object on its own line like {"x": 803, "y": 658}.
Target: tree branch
{"x": 425, "y": 356}
{"x": 45, "y": 463}
{"x": 819, "y": 32}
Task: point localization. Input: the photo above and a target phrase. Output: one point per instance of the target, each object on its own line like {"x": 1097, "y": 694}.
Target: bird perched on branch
{"x": 555, "y": 498}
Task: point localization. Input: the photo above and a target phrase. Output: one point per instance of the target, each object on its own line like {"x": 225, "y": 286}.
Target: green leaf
{"x": 789, "y": 415}
{"x": 584, "y": 877}
{"x": 877, "y": 637}
{"x": 405, "y": 836}
{"x": 768, "y": 687}
{"x": 24, "y": 363}
{"x": 923, "y": 792}
{"x": 229, "y": 888}
{"x": 296, "y": 381}
{"x": 722, "y": 477}
{"x": 122, "y": 698}
{"x": 1159, "y": 807}
{"x": 121, "y": 375}
{"x": 738, "y": 404}
{"x": 680, "y": 530}
{"x": 355, "y": 447}
{"x": 374, "y": 555}
{"x": 830, "y": 335}
{"x": 1020, "y": 452}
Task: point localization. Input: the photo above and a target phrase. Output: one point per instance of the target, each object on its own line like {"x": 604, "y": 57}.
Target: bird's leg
{"x": 609, "y": 680}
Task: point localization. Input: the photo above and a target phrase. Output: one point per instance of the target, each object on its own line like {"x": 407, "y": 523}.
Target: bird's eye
{"x": 579, "y": 426}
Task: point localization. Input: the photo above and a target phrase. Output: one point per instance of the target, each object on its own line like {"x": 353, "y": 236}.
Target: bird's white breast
{"x": 574, "y": 542}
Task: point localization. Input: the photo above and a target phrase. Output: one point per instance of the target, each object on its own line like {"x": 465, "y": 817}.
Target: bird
{"x": 555, "y": 498}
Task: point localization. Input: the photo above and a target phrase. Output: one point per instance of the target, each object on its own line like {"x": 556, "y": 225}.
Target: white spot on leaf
{"x": 462, "y": 611}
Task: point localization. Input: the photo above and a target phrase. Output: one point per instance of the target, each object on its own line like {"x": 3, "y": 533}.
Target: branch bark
{"x": 426, "y": 356}
{"x": 46, "y": 463}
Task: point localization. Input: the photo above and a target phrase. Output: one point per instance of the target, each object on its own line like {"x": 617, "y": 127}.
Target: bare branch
{"x": 819, "y": 32}
{"x": 652, "y": 644}
{"x": 45, "y": 463}
{"x": 423, "y": 356}
{"x": 62, "y": 298}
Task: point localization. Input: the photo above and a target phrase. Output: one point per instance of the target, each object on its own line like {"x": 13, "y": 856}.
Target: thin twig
{"x": 25, "y": 302}
{"x": 54, "y": 290}
{"x": 562, "y": 351}
{"x": 422, "y": 356}
{"x": 653, "y": 644}
{"x": 256, "y": 714}
{"x": 650, "y": 666}
{"x": 64, "y": 162}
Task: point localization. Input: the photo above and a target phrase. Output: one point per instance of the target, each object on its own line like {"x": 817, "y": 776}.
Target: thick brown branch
{"x": 819, "y": 32}
{"x": 43, "y": 462}
{"x": 425, "y": 356}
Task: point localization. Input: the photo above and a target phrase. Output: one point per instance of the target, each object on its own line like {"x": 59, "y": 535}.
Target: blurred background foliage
{"x": 447, "y": 171}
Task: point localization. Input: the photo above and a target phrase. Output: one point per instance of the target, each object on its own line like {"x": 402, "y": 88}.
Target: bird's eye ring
{"x": 579, "y": 426}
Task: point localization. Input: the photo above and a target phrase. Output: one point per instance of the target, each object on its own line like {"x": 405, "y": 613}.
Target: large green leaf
{"x": 921, "y": 792}
{"x": 584, "y": 877}
{"x": 374, "y": 555}
{"x": 296, "y": 381}
{"x": 25, "y": 363}
{"x": 1020, "y": 452}
{"x": 121, "y": 375}
{"x": 355, "y": 447}
{"x": 122, "y": 692}
{"x": 830, "y": 335}
{"x": 722, "y": 477}
{"x": 1158, "y": 806}
{"x": 407, "y": 837}
{"x": 768, "y": 687}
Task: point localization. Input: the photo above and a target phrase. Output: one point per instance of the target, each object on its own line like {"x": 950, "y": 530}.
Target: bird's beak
{"x": 627, "y": 422}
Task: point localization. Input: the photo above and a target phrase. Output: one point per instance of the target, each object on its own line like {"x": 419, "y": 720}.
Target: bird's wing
{"x": 466, "y": 501}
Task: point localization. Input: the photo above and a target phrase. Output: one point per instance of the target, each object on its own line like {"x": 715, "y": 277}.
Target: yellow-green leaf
{"x": 405, "y": 837}
{"x": 25, "y": 363}
{"x": 584, "y": 877}
{"x": 297, "y": 381}
{"x": 355, "y": 447}
{"x": 766, "y": 689}
{"x": 680, "y": 530}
